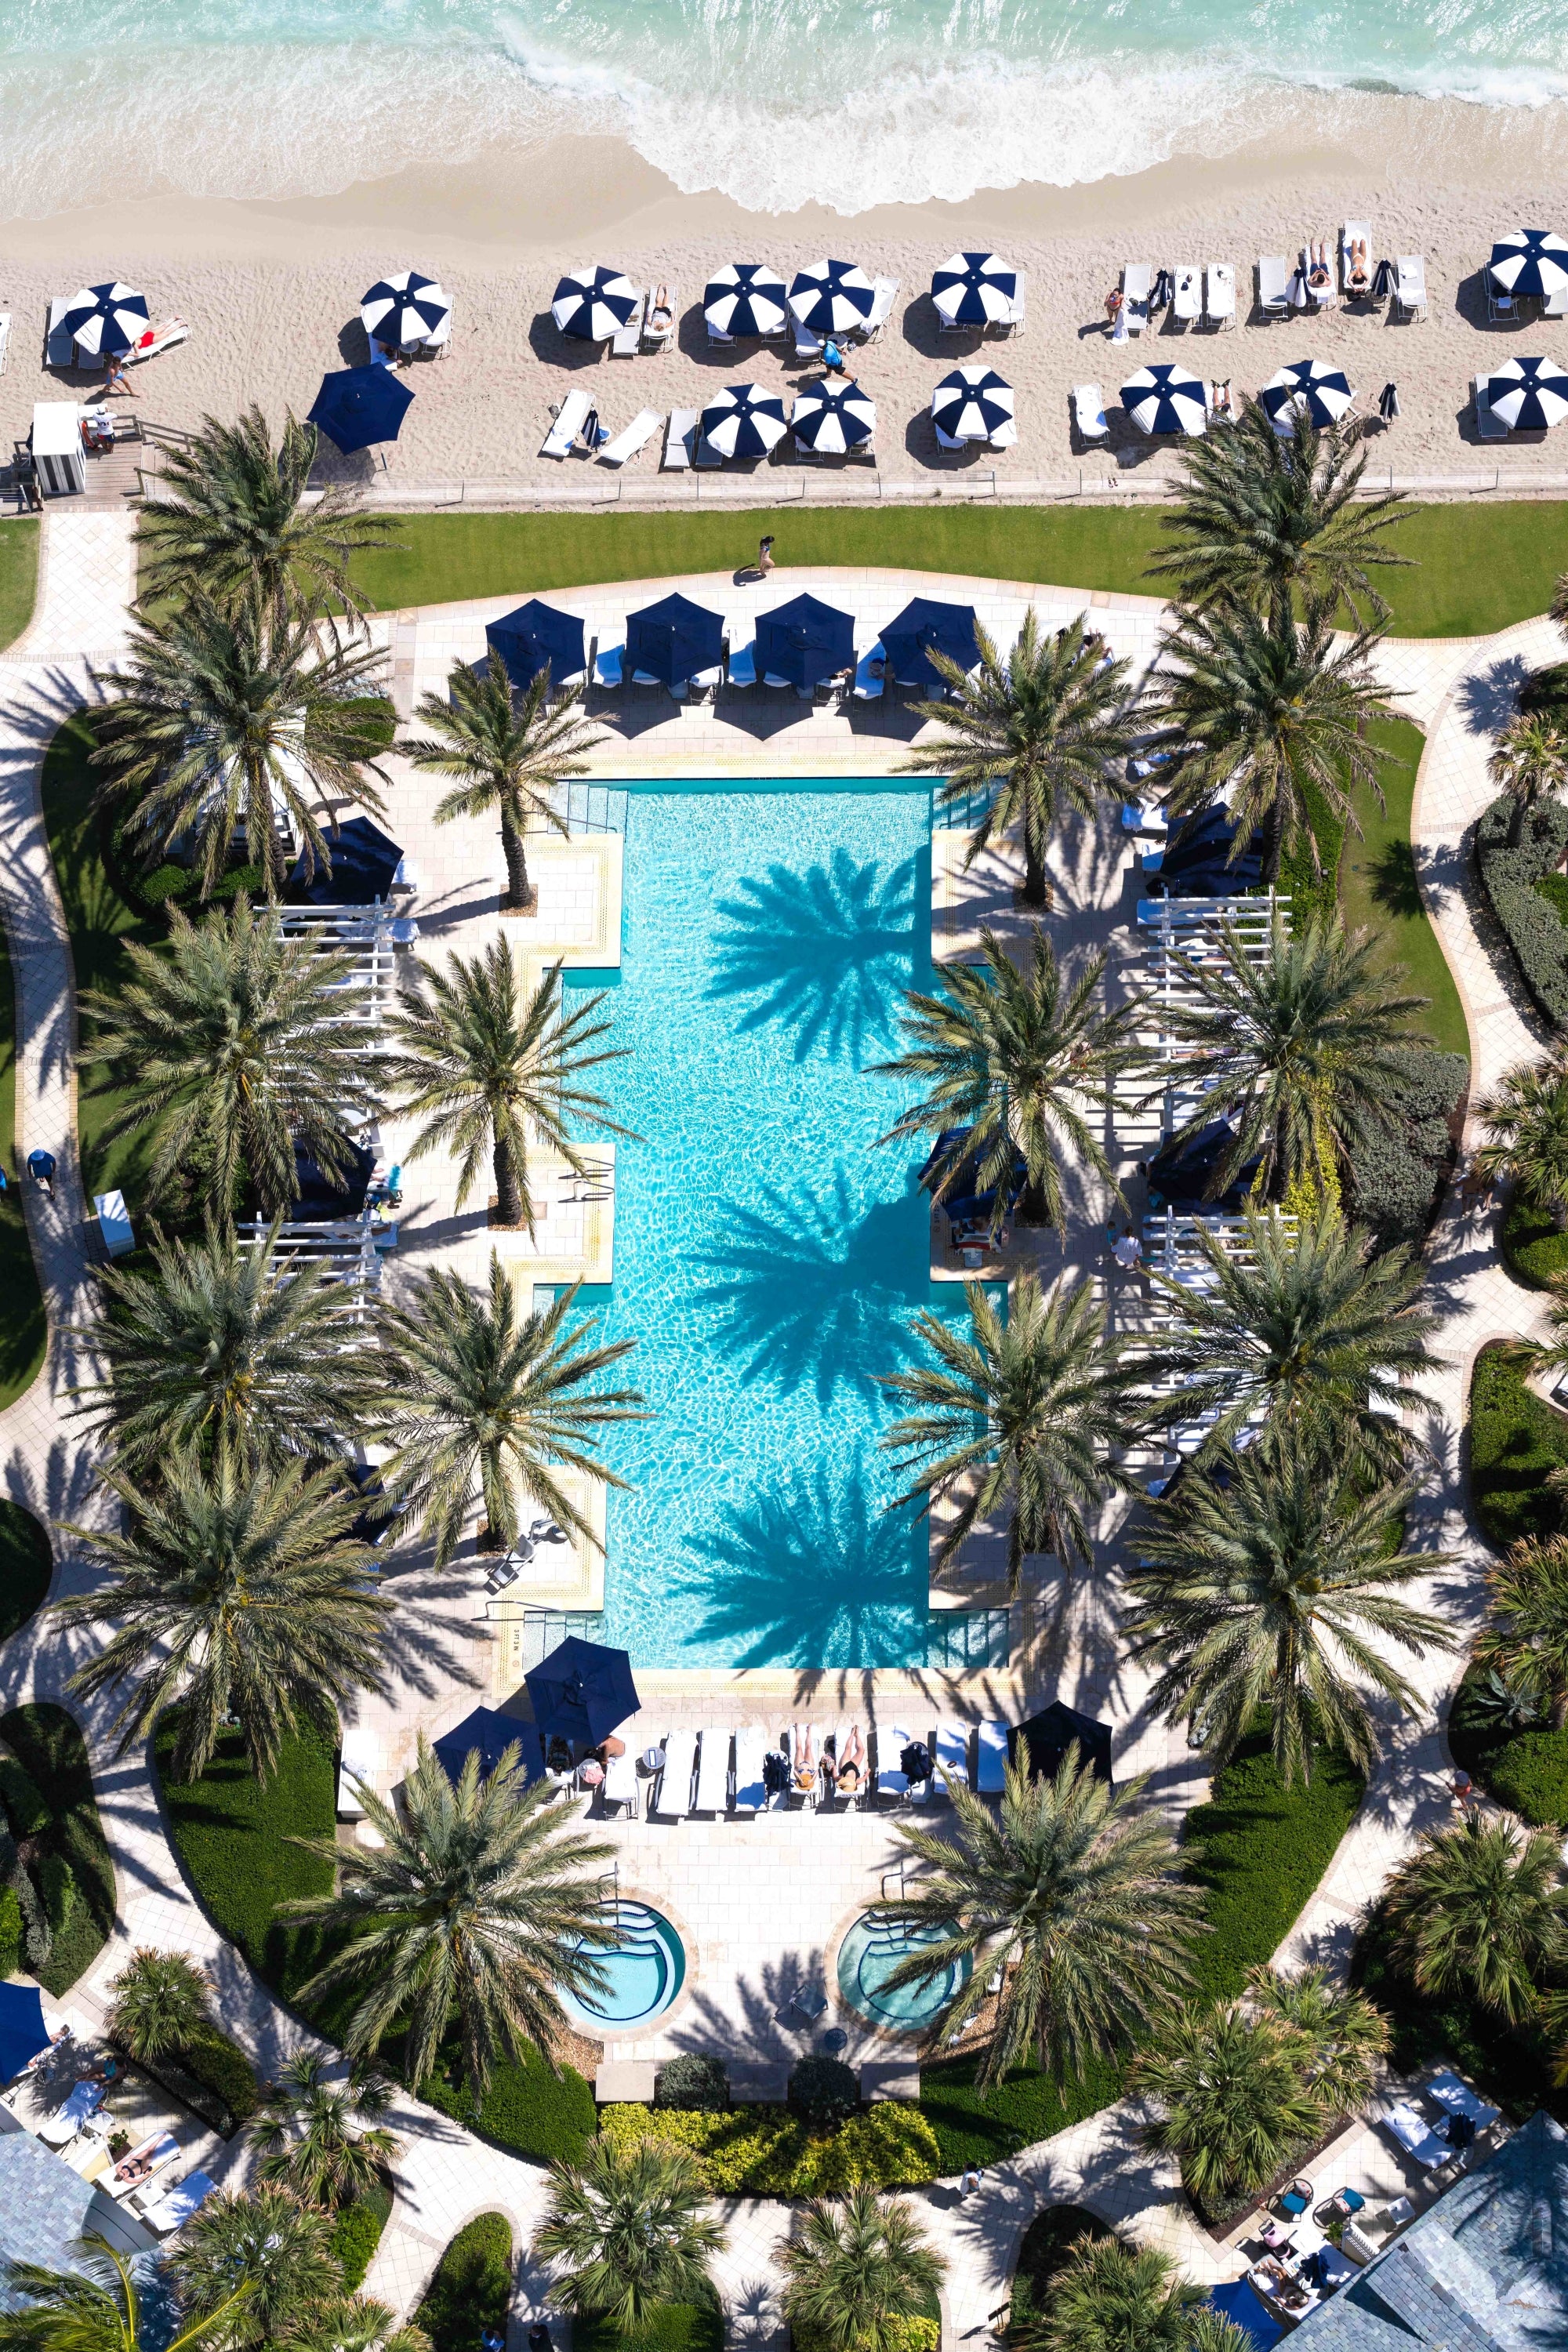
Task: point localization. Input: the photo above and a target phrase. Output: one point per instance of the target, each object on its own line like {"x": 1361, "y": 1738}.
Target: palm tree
{"x": 265, "y": 2240}
{"x": 1020, "y": 1417}
{"x": 485, "y": 1072}
{"x": 1270, "y": 523}
{"x": 1301, "y": 1050}
{"x": 1530, "y": 764}
{"x": 353, "y": 2323}
{"x": 1014, "y": 1059}
{"x": 1307, "y": 1327}
{"x": 223, "y": 1350}
{"x": 626, "y": 2227}
{"x": 857, "y": 2269}
{"x": 1073, "y": 1891}
{"x": 238, "y": 1593}
{"x": 97, "y": 2308}
{"x": 1528, "y": 1121}
{"x": 1037, "y": 733}
{"x": 510, "y": 751}
{"x": 231, "y": 1044}
{"x": 161, "y": 2004}
{"x": 1525, "y": 1638}
{"x": 1232, "y": 2096}
{"x": 322, "y": 2138}
{"x": 230, "y": 518}
{"x": 1265, "y": 713}
{"x": 1111, "y": 2297}
{"x": 1481, "y": 1909}
{"x": 1344, "y": 2036}
{"x": 228, "y": 719}
{"x": 478, "y": 1900}
{"x": 484, "y": 1401}
{"x": 1273, "y": 1590}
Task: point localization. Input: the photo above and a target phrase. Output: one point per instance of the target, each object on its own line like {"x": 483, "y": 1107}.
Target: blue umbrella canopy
{"x": 674, "y": 640}
{"x": 22, "y": 2033}
{"x": 832, "y": 297}
{"x": 535, "y": 637}
{"x": 582, "y": 1690}
{"x": 974, "y": 289}
{"x": 365, "y": 865}
{"x": 745, "y": 297}
{"x": 1529, "y": 261}
{"x": 1310, "y": 387}
{"x": 925, "y": 627}
{"x": 804, "y": 640}
{"x": 486, "y": 1732}
{"x": 744, "y": 420}
{"x": 834, "y": 418}
{"x": 358, "y": 405}
{"x": 106, "y": 319}
{"x": 1529, "y": 395}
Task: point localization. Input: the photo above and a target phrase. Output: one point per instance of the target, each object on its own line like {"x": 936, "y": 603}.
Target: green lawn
{"x": 472, "y": 2287}
{"x": 1378, "y": 890}
{"x": 1516, "y": 1437}
{"x": 75, "y": 1875}
{"x": 24, "y": 1331}
{"x": 19, "y": 574}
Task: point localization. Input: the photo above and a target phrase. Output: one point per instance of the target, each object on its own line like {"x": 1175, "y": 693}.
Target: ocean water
{"x": 774, "y": 102}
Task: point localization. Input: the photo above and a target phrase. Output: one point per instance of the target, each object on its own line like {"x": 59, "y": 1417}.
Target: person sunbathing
{"x": 1358, "y": 281}
{"x": 660, "y": 319}
{"x": 1318, "y": 270}
{"x": 134, "y": 2168}
{"x": 852, "y": 1763}
{"x": 806, "y": 1761}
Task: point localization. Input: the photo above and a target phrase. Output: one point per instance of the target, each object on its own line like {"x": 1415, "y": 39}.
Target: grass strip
{"x": 1378, "y": 890}
{"x": 18, "y": 575}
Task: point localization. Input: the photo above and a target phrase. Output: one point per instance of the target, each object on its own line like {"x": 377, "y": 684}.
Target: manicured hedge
{"x": 673, "y": 2327}
{"x": 74, "y": 1873}
{"x": 27, "y": 1562}
{"x": 1529, "y": 921}
{"x": 1546, "y": 690}
{"x": 1534, "y": 1248}
{"x": 1515, "y": 1439}
{"x": 1532, "y": 1777}
{"x": 1394, "y": 1177}
{"x": 770, "y": 2152}
{"x": 221, "y": 2066}
{"x": 1046, "y": 2245}
{"x": 23, "y": 1801}
{"x": 913, "y": 2335}
{"x": 357, "y": 2232}
{"x": 472, "y": 2289}
{"x": 10, "y": 1932}
{"x": 528, "y": 2109}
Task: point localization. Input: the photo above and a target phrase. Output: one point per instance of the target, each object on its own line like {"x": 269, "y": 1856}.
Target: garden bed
{"x": 69, "y": 1854}
{"x": 767, "y": 2151}
{"x": 1516, "y": 1437}
{"x": 472, "y": 2287}
{"x": 1523, "y": 1766}
{"x": 26, "y": 1564}
{"x": 1534, "y": 1246}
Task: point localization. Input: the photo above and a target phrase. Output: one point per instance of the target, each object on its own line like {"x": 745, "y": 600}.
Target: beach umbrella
{"x": 974, "y": 289}
{"x": 1310, "y": 388}
{"x": 1045, "y": 1739}
{"x": 831, "y": 297}
{"x": 593, "y": 304}
{"x": 833, "y": 417}
{"x": 744, "y": 420}
{"x": 404, "y": 309}
{"x": 745, "y": 297}
{"x": 1529, "y": 395}
{"x": 106, "y": 319}
{"x": 22, "y": 2033}
{"x": 971, "y": 403}
{"x": 535, "y": 637}
{"x": 364, "y": 866}
{"x": 1164, "y": 398}
{"x": 804, "y": 641}
{"x": 358, "y": 405}
{"x": 1529, "y": 261}
{"x": 582, "y": 1690}
{"x": 927, "y": 626}
{"x": 486, "y": 1733}
{"x": 674, "y": 640}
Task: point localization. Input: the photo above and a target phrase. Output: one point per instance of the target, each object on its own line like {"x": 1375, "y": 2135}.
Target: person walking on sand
{"x": 116, "y": 381}
{"x": 765, "y": 557}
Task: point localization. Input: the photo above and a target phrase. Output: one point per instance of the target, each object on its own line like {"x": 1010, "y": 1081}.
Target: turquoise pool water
{"x": 870, "y": 1953}
{"x": 645, "y": 1971}
{"x": 769, "y": 1259}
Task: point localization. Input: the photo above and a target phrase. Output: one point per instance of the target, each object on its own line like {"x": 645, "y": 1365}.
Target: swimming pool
{"x": 645, "y": 1971}
{"x": 769, "y": 1259}
{"x": 871, "y": 1950}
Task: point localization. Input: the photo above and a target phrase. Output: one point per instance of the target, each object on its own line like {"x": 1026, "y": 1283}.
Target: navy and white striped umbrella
{"x": 974, "y": 289}
{"x": 744, "y": 420}
{"x": 1529, "y": 261}
{"x": 834, "y": 418}
{"x": 1308, "y": 388}
{"x": 106, "y": 319}
{"x": 594, "y": 304}
{"x": 1164, "y": 398}
{"x": 745, "y": 297}
{"x": 1529, "y": 395}
{"x": 831, "y": 297}
{"x": 971, "y": 403}
{"x": 404, "y": 309}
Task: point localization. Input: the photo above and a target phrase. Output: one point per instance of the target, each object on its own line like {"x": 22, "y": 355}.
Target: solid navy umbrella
{"x": 22, "y": 2033}
{"x": 1240, "y": 2302}
{"x": 365, "y": 865}
{"x": 974, "y": 289}
{"x": 582, "y": 1690}
{"x": 1181, "y": 1174}
{"x": 106, "y": 319}
{"x": 674, "y": 640}
{"x": 535, "y": 637}
{"x": 1529, "y": 261}
{"x": 358, "y": 405}
{"x": 486, "y": 1732}
{"x": 804, "y": 640}
{"x": 925, "y": 627}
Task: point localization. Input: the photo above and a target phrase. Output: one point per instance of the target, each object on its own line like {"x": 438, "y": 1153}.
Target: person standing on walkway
{"x": 971, "y": 2180}
{"x": 765, "y": 557}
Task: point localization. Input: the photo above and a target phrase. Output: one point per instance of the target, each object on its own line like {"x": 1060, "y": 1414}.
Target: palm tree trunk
{"x": 1037, "y": 889}
{"x": 1277, "y": 1173}
{"x": 509, "y": 1192}
{"x": 1273, "y": 843}
{"x": 1516, "y": 821}
{"x": 521, "y": 895}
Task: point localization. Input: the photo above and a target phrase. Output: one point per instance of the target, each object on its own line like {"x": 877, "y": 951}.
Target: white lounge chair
{"x": 1355, "y": 233}
{"x": 660, "y": 320}
{"x": 170, "y": 331}
{"x": 1015, "y": 323}
{"x": 1410, "y": 286}
{"x": 153, "y": 2155}
{"x": 712, "y": 1770}
{"x": 1187, "y": 299}
{"x": 627, "y": 342}
{"x": 679, "y": 435}
{"x": 1219, "y": 295}
{"x": 1319, "y": 297}
{"x": 60, "y": 344}
{"x": 1137, "y": 280}
{"x": 952, "y": 1752}
{"x": 672, "y": 1795}
{"x": 114, "y": 1223}
{"x": 1499, "y": 304}
{"x": 569, "y": 419}
{"x": 1088, "y": 413}
{"x": 991, "y": 1758}
{"x": 1489, "y": 426}
{"x": 1554, "y": 306}
{"x": 174, "y": 2207}
{"x": 84, "y": 2102}
{"x": 870, "y": 676}
{"x": 1458, "y": 2099}
{"x": 892, "y": 1780}
{"x": 360, "y": 1759}
{"x": 1274, "y": 278}
{"x": 807, "y": 346}
{"x": 620, "y": 1784}
{"x": 1410, "y": 2127}
{"x": 881, "y": 311}
{"x": 751, "y": 1788}
{"x": 4, "y": 338}
{"x": 800, "y": 1739}
{"x": 636, "y": 435}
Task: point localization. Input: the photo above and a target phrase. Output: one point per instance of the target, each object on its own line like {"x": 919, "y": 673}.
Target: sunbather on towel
{"x": 1318, "y": 265}
{"x": 134, "y": 2168}
{"x": 806, "y": 1762}
{"x": 1358, "y": 281}
{"x": 852, "y": 1762}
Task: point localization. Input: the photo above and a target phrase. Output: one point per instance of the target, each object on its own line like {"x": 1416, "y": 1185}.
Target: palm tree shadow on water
{"x": 827, "y": 954}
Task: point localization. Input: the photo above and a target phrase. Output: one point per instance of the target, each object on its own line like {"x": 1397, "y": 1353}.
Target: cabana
{"x": 535, "y": 637}
{"x": 804, "y": 641}
{"x": 926, "y": 626}
{"x": 673, "y": 641}
{"x": 1046, "y": 1737}
{"x": 366, "y": 863}
{"x": 1182, "y": 1169}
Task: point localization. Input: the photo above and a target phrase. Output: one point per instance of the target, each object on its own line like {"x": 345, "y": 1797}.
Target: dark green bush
{"x": 695, "y": 2079}
{"x": 1534, "y": 1247}
{"x": 357, "y": 2234}
{"x": 1511, "y": 2065}
{"x": 528, "y": 2109}
{"x": 1394, "y": 1177}
{"x": 1046, "y": 2245}
{"x": 472, "y": 2289}
{"x": 10, "y": 1932}
{"x": 221, "y": 2066}
{"x": 1531, "y": 1778}
{"x": 58, "y": 1891}
{"x": 1516, "y": 1437}
{"x": 823, "y": 2089}
{"x": 1546, "y": 690}
{"x": 765, "y": 2151}
{"x": 976, "y": 2126}
{"x": 26, "y": 1564}
{"x": 46, "y": 1743}
{"x": 673, "y": 2327}
{"x": 1529, "y": 921}
{"x": 23, "y": 1799}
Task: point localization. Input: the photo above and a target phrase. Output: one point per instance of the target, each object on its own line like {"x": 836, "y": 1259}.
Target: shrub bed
{"x": 71, "y": 1855}
{"x": 976, "y": 2126}
{"x": 673, "y": 2327}
{"x": 10, "y": 1932}
{"x": 1394, "y": 1177}
{"x": 921, "y": 2332}
{"x": 1529, "y": 921}
{"x": 770, "y": 2152}
{"x": 1516, "y": 1437}
{"x": 1046, "y": 2245}
{"x": 1524, "y": 1767}
{"x": 528, "y": 2109}
{"x": 1534, "y": 1248}
{"x": 1512, "y": 2066}
{"x": 356, "y": 2233}
{"x": 472, "y": 2289}
{"x": 27, "y": 1562}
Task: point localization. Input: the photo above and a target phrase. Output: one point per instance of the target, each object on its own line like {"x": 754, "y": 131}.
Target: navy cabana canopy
{"x": 358, "y": 405}
{"x": 364, "y": 866}
{"x": 1046, "y": 1737}
{"x": 674, "y": 640}
{"x": 804, "y": 641}
{"x": 582, "y": 1690}
{"x": 926, "y": 626}
{"x": 488, "y": 1733}
{"x": 535, "y": 637}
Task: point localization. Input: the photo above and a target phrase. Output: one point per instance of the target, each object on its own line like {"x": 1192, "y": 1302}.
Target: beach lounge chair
{"x": 620, "y": 1784}
{"x": 60, "y": 344}
{"x": 869, "y": 678}
{"x": 660, "y": 319}
{"x": 136, "y": 2170}
{"x": 1187, "y": 298}
{"x": 174, "y": 2207}
{"x": 1410, "y": 286}
{"x": 1275, "y": 274}
{"x": 991, "y": 1759}
{"x": 1014, "y": 324}
{"x": 609, "y": 668}
{"x": 1319, "y": 297}
{"x": 1219, "y": 295}
{"x": 60, "y": 2128}
{"x": 713, "y": 1771}
{"x": 170, "y": 331}
{"x": 1352, "y": 233}
{"x": 569, "y": 418}
{"x": 359, "y": 1761}
{"x": 1137, "y": 280}
{"x": 1489, "y": 427}
{"x": 672, "y": 1792}
{"x": 881, "y": 311}
{"x": 1410, "y": 2127}
{"x": 740, "y": 667}
{"x": 627, "y": 342}
{"x": 704, "y": 453}
{"x": 807, "y": 346}
{"x": 1088, "y": 413}
{"x": 4, "y": 338}
{"x": 638, "y": 434}
{"x": 952, "y": 1752}
{"x": 114, "y": 1223}
{"x": 1457, "y": 2098}
{"x": 1500, "y": 307}
{"x": 750, "y": 1789}
{"x": 892, "y": 1780}
{"x": 679, "y": 435}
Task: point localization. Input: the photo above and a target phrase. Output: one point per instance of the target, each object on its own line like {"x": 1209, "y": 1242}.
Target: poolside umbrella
{"x": 1183, "y": 1171}
{"x": 804, "y": 641}
{"x": 364, "y": 866}
{"x": 106, "y": 319}
{"x": 1311, "y": 388}
{"x": 404, "y": 309}
{"x": 1164, "y": 398}
{"x": 831, "y": 297}
{"x": 593, "y": 304}
{"x": 926, "y": 626}
{"x": 744, "y": 420}
{"x": 972, "y": 402}
{"x": 582, "y": 1690}
{"x": 486, "y": 1733}
{"x": 1529, "y": 395}
{"x": 974, "y": 289}
{"x": 834, "y": 418}
{"x": 1529, "y": 261}
{"x": 358, "y": 405}
{"x": 22, "y": 2033}
{"x": 745, "y": 297}
{"x": 1046, "y": 1737}
{"x": 535, "y": 637}
{"x": 674, "y": 640}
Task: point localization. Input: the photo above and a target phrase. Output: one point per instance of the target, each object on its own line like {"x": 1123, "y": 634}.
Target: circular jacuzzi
{"x": 644, "y": 1971}
{"x": 872, "y": 1950}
